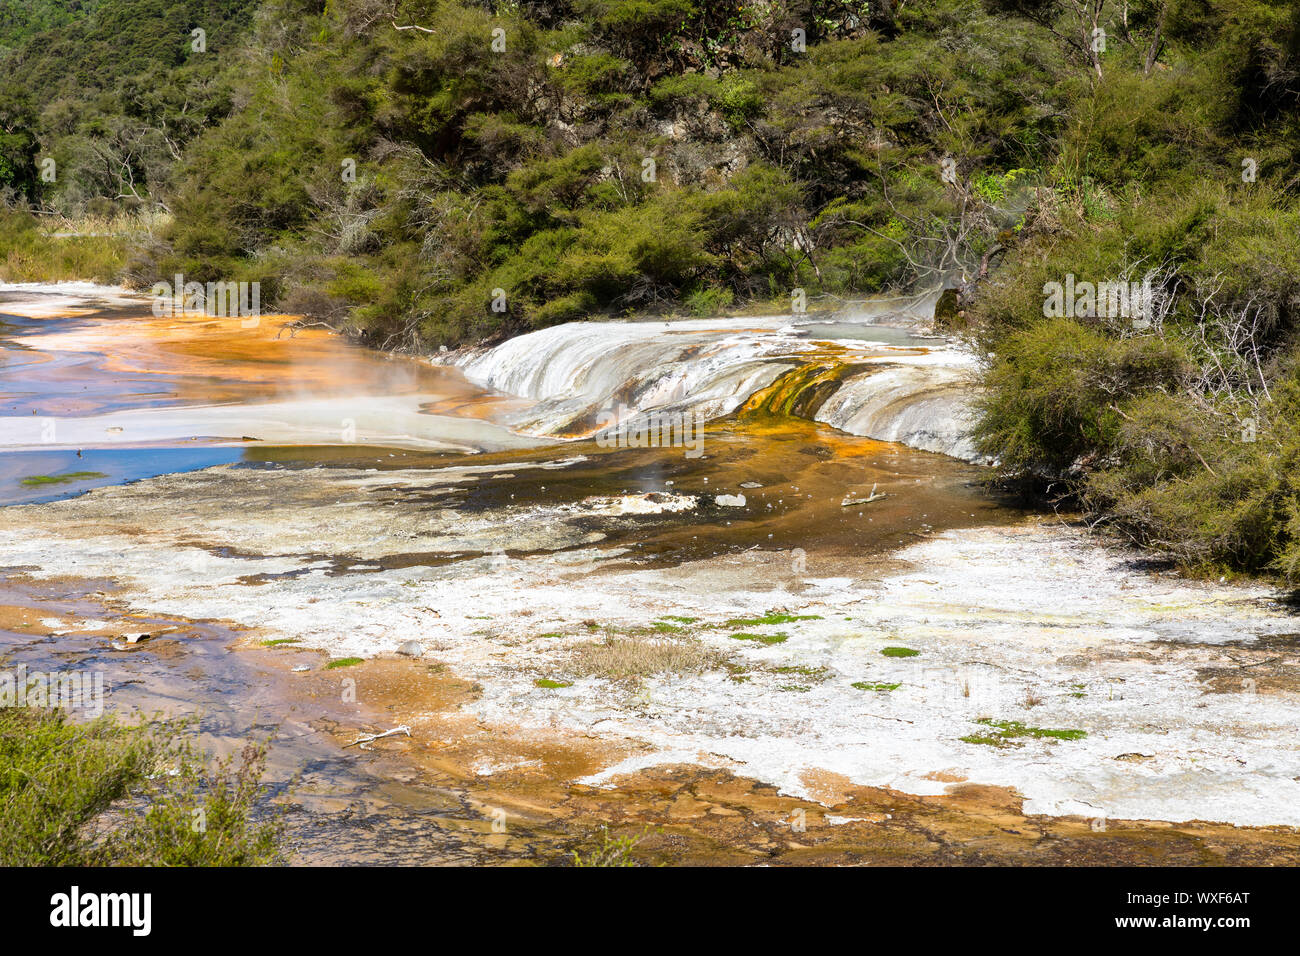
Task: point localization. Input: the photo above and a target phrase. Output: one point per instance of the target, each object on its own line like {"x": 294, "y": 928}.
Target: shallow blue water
{"x": 117, "y": 465}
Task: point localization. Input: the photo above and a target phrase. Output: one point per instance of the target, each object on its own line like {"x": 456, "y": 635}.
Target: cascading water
{"x": 879, "y": 381}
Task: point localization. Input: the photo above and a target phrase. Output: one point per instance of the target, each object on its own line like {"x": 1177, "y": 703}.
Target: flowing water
{"x": 261, "y": 498}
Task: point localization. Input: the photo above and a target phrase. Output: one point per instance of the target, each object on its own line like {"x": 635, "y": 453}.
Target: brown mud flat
{"x": 689, "y": 815}
{"x": 804, "y": 473}
{"x": 459, "y": 791}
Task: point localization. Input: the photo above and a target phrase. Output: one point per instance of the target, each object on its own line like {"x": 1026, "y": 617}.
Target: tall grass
{"x": 32, "y": 251}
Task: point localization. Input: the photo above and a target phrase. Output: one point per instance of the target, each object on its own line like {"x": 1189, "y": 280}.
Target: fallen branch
{"x": 862, "y": 501}
{"x": 368, "y": 738}
{"x": 1244, "y": 666}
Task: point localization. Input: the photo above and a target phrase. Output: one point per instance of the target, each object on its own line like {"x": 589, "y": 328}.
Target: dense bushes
{"x": 1180, "y": 433}
{"x": 1051, "y": 394}
{"x": 111, "y": 90}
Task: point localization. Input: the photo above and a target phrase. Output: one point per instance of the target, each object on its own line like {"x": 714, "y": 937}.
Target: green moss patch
{"x": 38, "y": 480}
{"x": 803, "y": 670}
{"x": 777, "y": 638}
{"x": 1005, "y": 731}
{"x": 868, "y": 685}
{"x": 773, "y": 618}
{"x": 899, "y": 652}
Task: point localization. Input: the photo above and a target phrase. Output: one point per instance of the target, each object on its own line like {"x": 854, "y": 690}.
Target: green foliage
{"x": 525, "y": 170}
{"x": 1213, "y": 489}
{"x": 1006, "y": 731}
{"x": 1050, "y": 396}
{"x": 739, "y": 98}
{"x": 609, "y": 851}
{"x": 29, "y": 253}
{"x": 110, "y": 89}
{"x": 105, "y": 792}
{"x": 709, "y": 300}
{"x": 65, "y": 478}
{"x": 1180, "y": 434}
{"x": 209, "y": 819}
{"x": 779, "y": 637}
{"x": 772, "y": 617}
{"x": 994, "y": 187}
{"x": 597, "y": 76}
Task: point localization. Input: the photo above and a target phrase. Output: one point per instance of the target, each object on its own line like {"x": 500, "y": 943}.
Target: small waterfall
{"x": 925, "y": 407}
{"x": 881, "y": 382}
{"x": 580, "y": 372}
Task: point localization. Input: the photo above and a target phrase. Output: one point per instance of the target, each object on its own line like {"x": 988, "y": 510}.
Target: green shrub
{"x": 1051, "y": 392}
{"x": 709, "y": 300}
{"x": 106, "y": 792}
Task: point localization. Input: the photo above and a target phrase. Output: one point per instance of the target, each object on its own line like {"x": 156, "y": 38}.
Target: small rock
{"x": 947, "y": 308}
{"x": 730, "y": 501}
{"x": 411, "y": 649}
{"x": 750, "y": 484}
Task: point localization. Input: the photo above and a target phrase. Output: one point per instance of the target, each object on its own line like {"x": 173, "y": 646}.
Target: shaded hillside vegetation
{"x": 780, "y": 161}
{"x": 579, "y": 157}
{"x": 112, "y": 92}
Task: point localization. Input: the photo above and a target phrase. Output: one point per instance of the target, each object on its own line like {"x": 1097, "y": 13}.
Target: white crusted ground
{"x": 41, "y": 299}
{"x": 995, "y": 613}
